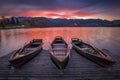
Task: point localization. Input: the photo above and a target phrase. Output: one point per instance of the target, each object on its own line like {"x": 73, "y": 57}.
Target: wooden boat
{"x": 92, "y": 53}
{"x": 26, "y": 53}
{"x": 59, "y": 52}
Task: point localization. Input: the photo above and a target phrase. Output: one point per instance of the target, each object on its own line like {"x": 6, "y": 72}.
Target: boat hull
{"x": 99, "y": 60}
{"x": 26, "y": 53}
{"x": 58, "y": 63}
{"x": 17, "y": 63}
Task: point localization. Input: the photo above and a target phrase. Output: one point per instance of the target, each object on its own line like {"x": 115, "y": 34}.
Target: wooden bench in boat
{"x": 58, "y": 44}
{"x": 59, "y": 51}
{"x": 59, "y": 48}
{"x": 58, "y": 40}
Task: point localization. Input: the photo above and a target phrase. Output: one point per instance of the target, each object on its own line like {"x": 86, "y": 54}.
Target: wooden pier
{"x": 42, "y": 68}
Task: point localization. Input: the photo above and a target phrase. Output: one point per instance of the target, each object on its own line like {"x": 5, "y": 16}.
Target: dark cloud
{"x": 28, "y": 2}
{"x": 15, "y": 7}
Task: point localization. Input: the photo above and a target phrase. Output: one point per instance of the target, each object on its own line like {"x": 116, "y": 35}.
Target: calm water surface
{"x": 103, "y": 38}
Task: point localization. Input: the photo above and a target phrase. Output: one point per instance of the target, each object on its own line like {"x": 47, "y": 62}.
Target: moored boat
{"x": 26, "y": 53}
{"x": 59, "y": 52}
{"x": 92, "y": 53}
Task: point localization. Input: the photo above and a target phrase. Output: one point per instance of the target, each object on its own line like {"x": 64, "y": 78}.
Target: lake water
{"x": 102, "y": 38}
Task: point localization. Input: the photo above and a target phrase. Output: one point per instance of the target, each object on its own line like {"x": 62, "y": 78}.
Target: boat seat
{"x": 59, "y": 51}
{"x": 58, "y": 40}
{"x": 77, "y": 43}
{"x": 37, "y": 40}
{"x": 58, "y": 44}
{"x": 27, "y": 50}
{"x": 59, "y": 48}
{"x": 63, "y": 52}
{"x": 85, "y": 48}
{"x": 88, "y": 50}
{"x": 36, "y": 44}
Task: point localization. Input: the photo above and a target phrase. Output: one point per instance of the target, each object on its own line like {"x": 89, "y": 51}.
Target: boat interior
{"x": 85, "y": 47}
{"x": 59, "y": 47}
{"x": 88, "y": 49}
{"x": 28, "y": 48}
{"x": 33, "y": 45}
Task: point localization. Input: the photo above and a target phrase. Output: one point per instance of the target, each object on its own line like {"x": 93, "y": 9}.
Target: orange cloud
{"x": 57, "y": 14}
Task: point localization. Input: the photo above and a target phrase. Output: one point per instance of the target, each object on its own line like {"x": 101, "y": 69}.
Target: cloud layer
{"x": 105, "y": 9}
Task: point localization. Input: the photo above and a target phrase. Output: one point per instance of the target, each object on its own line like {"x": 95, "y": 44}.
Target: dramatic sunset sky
{"x": 75, "y": 9}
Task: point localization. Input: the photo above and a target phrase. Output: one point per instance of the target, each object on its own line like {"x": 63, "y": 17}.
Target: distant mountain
{"x": 62, "y": 22}
{"x": 116, "y": 22}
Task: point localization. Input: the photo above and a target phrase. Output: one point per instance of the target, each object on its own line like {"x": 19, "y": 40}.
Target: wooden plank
{"x": 41, "y": 67}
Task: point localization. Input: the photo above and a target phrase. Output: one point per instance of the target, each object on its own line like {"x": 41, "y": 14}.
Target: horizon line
{"x": 56, "y": 18}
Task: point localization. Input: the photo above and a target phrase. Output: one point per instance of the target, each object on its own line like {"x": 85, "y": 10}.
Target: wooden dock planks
{"x": 42, "y": 68}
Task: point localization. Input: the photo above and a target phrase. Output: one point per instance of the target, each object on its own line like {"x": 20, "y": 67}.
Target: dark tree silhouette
{"x": 17, "y": 21}
{"x": 3, "y": 21}
{"x": 13, "y": 20}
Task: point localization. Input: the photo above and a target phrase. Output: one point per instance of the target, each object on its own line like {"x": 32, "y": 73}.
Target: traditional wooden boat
{"x": 26, "y": 53}
{"x": 92, "y": 53}
{"x": 59, "y": 52}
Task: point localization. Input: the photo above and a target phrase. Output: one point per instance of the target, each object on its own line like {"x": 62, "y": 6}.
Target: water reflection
{"x": 100, "y": 37}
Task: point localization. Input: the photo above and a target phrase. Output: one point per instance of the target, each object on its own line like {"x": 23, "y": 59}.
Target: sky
{"x": 70, "y": 9}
